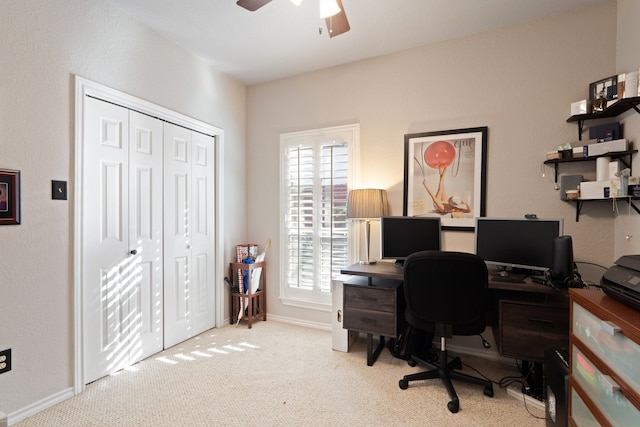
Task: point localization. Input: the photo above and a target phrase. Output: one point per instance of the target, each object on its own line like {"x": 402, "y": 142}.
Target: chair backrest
{"x": 448, "y": 288}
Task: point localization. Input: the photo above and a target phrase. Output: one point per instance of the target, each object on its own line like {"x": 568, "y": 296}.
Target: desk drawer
{"x": 369, "y": 297}
{"x": 370, "y": 321}
{"x": 526, "y": 329}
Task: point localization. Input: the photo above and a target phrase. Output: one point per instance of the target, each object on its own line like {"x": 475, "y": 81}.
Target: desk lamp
{"x": 367, "y": 204}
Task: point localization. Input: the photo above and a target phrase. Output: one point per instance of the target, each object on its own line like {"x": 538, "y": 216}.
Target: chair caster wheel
{"x": 456, "y": 363}
{"x": 404, "y": 384}
{"x": 411, "y": 362}
{"x": 488, "y": 391}
{"x": 453, "y": 406}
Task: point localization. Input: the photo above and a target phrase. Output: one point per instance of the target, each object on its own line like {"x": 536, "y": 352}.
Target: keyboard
{"x": 508, "y": 279}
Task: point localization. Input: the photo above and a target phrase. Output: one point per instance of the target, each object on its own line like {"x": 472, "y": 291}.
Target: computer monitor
{"x": 400, "y": 236}
{"x": 523, "y": 246}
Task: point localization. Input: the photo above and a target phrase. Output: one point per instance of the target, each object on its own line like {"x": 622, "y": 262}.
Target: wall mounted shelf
{"x": 614, "y": 110}
{"x": 628, "y": 199}
{"x": 622, "y": 156}
{"x": 621, "y": 106}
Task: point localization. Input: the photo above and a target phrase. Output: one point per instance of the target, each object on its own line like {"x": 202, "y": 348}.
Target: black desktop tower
{"x": 556, "y": 385}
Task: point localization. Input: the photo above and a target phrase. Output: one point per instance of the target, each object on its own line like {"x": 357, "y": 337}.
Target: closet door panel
{"x": 145, "y": 234}
{"x": 203, "y": 238}
{"x": 178, "y": 293}
{"x": 105, "y": 239}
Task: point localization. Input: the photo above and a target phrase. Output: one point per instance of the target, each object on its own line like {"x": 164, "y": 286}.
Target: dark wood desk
{"x": 392, "y": 271}
{"x": 375, "y": 307}
{"x": 380, "y": 270}
{"x": 526, "y": 317}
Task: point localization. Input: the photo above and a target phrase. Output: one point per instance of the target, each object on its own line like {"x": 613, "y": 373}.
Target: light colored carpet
{"x": 278, "y": 374}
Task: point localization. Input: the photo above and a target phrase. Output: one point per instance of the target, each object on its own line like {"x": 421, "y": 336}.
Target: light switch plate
{"x": 59, "y": 190}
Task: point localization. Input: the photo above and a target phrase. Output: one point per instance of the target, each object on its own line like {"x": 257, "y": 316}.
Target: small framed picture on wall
{"x": 9, "y": 197}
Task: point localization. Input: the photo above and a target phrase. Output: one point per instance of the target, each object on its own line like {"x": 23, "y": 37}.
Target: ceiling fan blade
{"x": 252, "y": 5}
{"x": 338, "y": 23}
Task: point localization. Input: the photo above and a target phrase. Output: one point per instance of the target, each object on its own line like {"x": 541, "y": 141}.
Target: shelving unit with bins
{"x": 604, "y": 384}
{"x": 254, "y": 304}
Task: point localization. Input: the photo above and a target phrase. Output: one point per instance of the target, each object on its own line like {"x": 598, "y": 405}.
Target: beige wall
{"x": 43, "y": 44}
{"x": 519, "y": 81}
{"x": 627, "y": 224}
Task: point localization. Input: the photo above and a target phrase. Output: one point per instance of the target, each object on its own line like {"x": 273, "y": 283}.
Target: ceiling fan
{"x": 331, "y": 10}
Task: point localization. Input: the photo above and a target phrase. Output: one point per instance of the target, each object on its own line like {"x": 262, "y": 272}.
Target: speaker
{"x": 562, "y": 253}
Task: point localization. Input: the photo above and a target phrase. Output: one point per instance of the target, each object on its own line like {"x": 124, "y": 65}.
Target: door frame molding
{"x": 84, "y": 88}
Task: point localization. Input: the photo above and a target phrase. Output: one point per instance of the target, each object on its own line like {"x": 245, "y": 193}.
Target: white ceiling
{"x": 281, "y": 39}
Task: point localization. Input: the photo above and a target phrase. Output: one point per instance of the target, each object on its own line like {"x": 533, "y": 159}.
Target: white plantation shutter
{"x": 315, "y": 183}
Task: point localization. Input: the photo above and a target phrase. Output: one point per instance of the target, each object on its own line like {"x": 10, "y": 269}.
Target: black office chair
{"x": 446, "y": 293}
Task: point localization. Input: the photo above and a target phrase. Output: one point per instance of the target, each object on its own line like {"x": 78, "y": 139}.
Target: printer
{"x": 622, "y": 281}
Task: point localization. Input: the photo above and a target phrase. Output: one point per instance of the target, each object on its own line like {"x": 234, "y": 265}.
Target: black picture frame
{"x": 445, "y": 176}
{"x": 606, "y": 87}
{"x": 9, "y": 197}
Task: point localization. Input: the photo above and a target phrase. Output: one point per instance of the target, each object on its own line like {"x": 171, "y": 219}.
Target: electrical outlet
{"x": 5, "y": 361}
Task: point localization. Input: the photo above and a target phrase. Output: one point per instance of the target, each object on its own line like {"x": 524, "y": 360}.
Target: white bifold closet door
{"x": 188, "y": 233}
{"x": 147, "y": 255}
{"x": 122, "y": 238}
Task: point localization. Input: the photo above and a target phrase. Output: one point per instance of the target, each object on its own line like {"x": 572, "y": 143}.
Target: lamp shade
{"x": 367, "y": 203}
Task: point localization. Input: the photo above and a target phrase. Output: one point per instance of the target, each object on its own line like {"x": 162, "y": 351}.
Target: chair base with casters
{"x": 446, "y": 371}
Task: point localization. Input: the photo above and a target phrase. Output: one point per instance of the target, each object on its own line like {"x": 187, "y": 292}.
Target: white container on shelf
{"x": 602, "y": 168}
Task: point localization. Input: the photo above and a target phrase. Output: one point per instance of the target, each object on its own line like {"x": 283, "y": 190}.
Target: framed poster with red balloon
{"x": 444, "y": 176}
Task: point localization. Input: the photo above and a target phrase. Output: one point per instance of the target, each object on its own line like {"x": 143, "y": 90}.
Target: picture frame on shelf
{"x": 607, "y": 88}
{"x": 9, "y": 196}
{"x": 445, "y": 176}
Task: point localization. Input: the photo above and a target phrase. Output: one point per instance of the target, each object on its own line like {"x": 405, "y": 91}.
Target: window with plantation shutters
{"x": 316, "y": 171}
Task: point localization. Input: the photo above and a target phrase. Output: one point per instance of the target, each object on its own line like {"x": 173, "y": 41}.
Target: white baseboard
{"x": 291, "y": 321}
{"x": 306, "y": 323}
{"x": 531, "y": 402}
{"x": 41, "y": 405}
{"x": 480, "y": 352}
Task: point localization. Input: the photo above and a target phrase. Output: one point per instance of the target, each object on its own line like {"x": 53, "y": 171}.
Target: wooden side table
{"x": 253, "y": 304}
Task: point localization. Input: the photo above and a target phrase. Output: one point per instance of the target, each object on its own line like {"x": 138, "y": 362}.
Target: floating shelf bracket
{"x": 629, "y": 199}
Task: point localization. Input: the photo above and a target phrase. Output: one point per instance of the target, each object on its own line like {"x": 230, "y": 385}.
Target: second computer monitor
{"x": 400, "y": 236}
{"x": 523, "y": 245}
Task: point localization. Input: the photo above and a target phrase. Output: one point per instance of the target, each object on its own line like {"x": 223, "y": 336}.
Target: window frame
{"x": 315, "y": 298}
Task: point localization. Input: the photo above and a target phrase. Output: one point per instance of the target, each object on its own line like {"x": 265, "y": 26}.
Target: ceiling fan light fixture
{"x": 328, "y": 8}
{"x": 338, "y": 23}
